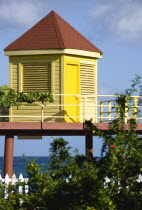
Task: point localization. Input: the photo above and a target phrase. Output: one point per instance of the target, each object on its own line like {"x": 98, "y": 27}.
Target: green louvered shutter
{"x": 37, "y": 77}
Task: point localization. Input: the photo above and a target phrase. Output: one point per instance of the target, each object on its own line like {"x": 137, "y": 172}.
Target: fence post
{"x": 6, "y": 180}
{"x": 42, "y": 113}
{"x": 26, "y": 186}
{"x": 101, "y": 112}
{"x": 85, "y": 108}
{"x": 96, "y": 109}
{"x": 21, "y": 179}
{"x": 135, "y": 107}
{"x": 126, "y": 112}
{"x": 0, "y": 178}
{"x": 109, "y": 110}
{"x": 14, "y": 179}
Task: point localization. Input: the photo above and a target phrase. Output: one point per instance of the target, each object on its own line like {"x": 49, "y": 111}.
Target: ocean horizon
{"x": 20, "y": 162}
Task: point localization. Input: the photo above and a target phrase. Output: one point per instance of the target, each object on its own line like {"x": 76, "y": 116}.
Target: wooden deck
{"x": 51, "y": 128}
{"x": 11, "y": 129}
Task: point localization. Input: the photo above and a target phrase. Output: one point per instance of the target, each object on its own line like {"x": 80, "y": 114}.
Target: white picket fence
{"x": 109, "y": 181}
{"x": 21, "y": 189}
{"x": 24, "y": 188}
{"x": 139, "y": 179}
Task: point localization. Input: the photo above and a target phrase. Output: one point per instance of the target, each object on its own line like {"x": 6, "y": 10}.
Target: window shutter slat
{"x": 37, "y": 77}
{"x": 87, "y": 79}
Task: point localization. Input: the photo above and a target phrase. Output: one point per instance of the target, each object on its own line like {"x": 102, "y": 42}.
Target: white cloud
{"x": 123, "y": 18}
{"x": 101, "y": 10}
{"x": 118, "y": 18}
{"x": 130, "y": 25}
{"x": 16, "y": 13}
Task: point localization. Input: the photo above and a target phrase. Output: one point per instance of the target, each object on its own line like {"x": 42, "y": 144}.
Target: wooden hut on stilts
{"x": 52, "y": 56}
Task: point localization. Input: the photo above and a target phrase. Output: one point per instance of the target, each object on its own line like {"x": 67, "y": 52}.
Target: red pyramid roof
{"x": 52, "y": 32}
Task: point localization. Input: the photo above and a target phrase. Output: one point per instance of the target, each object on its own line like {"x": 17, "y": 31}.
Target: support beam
{"x": 89, "y": 144}
{"x": 8, "y": 155}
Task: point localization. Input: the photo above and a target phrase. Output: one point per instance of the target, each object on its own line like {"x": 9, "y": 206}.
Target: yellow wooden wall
{"x": 15, "y": 72}
{"x": 57, "y": 85}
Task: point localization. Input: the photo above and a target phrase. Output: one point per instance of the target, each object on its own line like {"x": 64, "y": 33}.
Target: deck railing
{"x": 109, "y": 110}
{"x": 99, "y": 108}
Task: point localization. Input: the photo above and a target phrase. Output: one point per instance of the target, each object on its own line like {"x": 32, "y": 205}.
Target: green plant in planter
{"x": 10, "y": 97}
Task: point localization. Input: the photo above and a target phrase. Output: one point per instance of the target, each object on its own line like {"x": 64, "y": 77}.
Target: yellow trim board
{"x": 57, "y": 51}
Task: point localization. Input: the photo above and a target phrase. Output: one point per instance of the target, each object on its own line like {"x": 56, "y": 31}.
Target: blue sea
{"x": 20, "y": 164}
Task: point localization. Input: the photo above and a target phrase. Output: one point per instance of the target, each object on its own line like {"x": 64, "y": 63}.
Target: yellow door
{"x": 72, "y": 86}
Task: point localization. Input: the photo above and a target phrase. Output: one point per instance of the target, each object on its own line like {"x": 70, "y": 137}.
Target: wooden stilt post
{"x": 89, "y": 145}
{"x": 8, "y": 155}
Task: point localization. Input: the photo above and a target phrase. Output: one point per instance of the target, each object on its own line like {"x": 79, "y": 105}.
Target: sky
{"x": 115, "y": 27}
